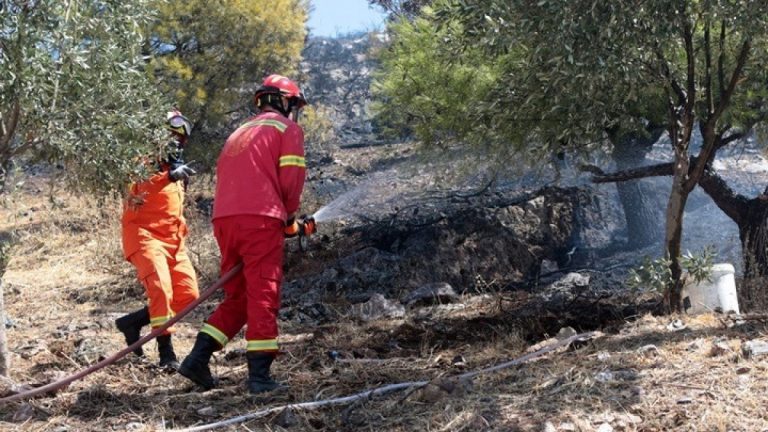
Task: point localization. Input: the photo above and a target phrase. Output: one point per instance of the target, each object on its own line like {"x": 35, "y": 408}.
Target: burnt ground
{"x": 505, "y": 269}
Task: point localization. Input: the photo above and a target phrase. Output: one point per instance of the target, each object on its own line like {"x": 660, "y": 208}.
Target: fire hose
{"x": 306, "y": 226}
{"x": 122, "y": 353}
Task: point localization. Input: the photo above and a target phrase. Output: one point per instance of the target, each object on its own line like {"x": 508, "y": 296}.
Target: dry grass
{"x": 67, "y": 283}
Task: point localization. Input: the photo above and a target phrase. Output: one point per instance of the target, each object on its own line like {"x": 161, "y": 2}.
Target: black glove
{"x": 181, "y": 172}
{"x": 174, "y": 151}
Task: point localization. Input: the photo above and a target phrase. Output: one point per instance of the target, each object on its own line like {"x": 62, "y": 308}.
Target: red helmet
{"x": 278, "y": 84}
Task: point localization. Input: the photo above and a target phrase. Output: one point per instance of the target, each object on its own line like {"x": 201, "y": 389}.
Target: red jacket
{"x": 261, "y": 169}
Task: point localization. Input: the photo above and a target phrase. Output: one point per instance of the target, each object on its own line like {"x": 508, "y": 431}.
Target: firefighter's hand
{"x": 181, "y": 172}
{"x": 291, "y": 228}
{"x": 308, "y": 225}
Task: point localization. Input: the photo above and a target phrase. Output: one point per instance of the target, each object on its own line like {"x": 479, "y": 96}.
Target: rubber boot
{"x": 259, "y": 380}
{"x": 130, "y": 325}
{"x": 167, "y": 356}
{"x": 195, "y": 365}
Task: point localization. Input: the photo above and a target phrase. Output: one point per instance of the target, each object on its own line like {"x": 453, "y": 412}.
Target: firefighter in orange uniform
{"x": 259, "y": 181}
{"x": 153, "y": 231}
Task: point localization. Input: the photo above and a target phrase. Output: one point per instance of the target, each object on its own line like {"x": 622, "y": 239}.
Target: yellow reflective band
{"x": 262, "y": 345}
{"x": 292, "y": 160}
{"x": 215, "y": 333}
{"x": 265, "y": 122}
{"x": 158, "y": 321}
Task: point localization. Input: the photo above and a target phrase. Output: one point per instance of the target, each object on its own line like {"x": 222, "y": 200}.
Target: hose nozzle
{"x": 307, "y": 227}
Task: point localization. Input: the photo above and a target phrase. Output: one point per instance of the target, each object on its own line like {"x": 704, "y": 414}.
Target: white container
{"x": 717, "y": 294}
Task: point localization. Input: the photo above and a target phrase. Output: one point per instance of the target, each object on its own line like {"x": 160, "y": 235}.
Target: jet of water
{"x": 339, "y": 206}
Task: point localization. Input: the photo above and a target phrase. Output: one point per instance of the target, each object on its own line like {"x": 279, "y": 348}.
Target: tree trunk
{"x": 751, "y": 216}
{"x": 8, "y": 123}
{"x": 4, "y": 357}
{"x": 753, "y": 232}
{"x": 673, "y": 240}
{"x": 641, "y": 208}
{"x": 7, "y": 240}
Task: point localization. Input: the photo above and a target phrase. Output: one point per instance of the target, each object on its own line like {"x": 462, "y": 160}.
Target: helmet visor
{"x": 294, "y": 108}
{"x": 179, "y": 124}
{"x": 295, "y": 114}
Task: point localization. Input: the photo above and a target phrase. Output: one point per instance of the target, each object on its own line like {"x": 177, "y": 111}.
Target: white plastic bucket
{"x": 719, "y": 293}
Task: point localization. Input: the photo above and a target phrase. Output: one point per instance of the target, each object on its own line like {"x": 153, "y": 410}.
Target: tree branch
{"x": 657, "y": 170}
{"x": 9, "y": 127}
{"x": 667, "y": 74}
{"x": 708, "y": 68}
{"x": 710, "y": 139}
{"x": 732, "y": 204}
{"x": 725, "y": 97}
{"x": 721, "y": 60}
{"x": 729, "y": 139}
{"x": 690, "y": 55}
{"x": 688, "y": 115}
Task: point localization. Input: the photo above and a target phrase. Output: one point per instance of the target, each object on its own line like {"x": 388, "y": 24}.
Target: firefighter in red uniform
{"x": 153, "y": 232}
{"x": 259, "y": 180}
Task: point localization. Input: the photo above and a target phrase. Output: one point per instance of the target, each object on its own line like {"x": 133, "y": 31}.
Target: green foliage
{"x": 652, "y": 275}
{"x": 74, "y": 91}
{"x": 209, "y": 57}
{"x": 401, "y": 8}
{"x": 655, "y": 274}
{"x": 319, "y": 134}
{"x": 429, "y": 90}
{"x": 699, "y": 266}
{"x": 570, "y": 73}
{"x": 575, "y": 75}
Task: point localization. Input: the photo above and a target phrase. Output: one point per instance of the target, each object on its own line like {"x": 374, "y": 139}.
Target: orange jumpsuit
{"x": 259, "y": 180}
{"x": 153, "y": 241}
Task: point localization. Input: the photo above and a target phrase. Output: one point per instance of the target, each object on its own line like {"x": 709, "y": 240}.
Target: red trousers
{"x": 251, "y": 297}
{"x": 168, "y": 278}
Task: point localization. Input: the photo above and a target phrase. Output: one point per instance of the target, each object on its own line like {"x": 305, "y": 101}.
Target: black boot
{"x": 195, "y": 365}
{"x": 130, "y": 325}
{"x": 167, "y": 356}
{"x": 259, "y": 380}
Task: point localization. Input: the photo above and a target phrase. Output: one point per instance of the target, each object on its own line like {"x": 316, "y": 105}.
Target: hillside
{"x": 419, "y": 275}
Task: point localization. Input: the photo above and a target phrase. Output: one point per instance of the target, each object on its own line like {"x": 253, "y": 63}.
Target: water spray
{"x": 338, "y": 206}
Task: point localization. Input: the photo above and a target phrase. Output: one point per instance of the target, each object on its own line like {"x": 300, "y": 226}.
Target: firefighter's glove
{"x": 181, "y": 172}
{"x": 291, "y": 228}
{"x": 308, "y": 225}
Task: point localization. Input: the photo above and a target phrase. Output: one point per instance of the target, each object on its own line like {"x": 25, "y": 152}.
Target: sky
{"x": 334, "y": 17}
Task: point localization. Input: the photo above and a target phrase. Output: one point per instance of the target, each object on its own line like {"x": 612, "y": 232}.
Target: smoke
{"x": 419, "y": 181}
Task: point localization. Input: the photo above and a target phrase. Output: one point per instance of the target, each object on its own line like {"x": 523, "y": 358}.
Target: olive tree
{"x": 705, "y": 60}
{"x": 582, "y": 73}
{"x": 401, "y": 8}
{"x": 439, "y": 79}
{"x": 209, "y": 57}
{"x": 74, "y": 94}
{"x": 74, "y": 91}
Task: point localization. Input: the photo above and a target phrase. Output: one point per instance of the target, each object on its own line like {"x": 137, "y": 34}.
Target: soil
{"x": 67, "y": 283}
